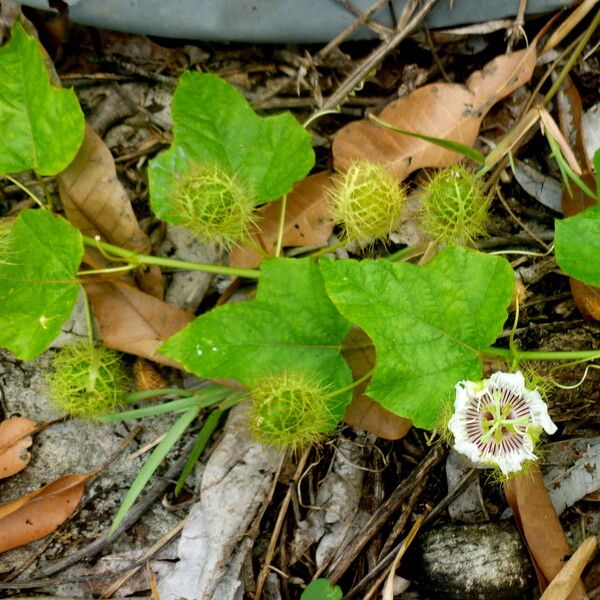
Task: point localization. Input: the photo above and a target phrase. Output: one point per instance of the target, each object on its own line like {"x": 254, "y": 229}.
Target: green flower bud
{"x": 367, "y": 200}
{"x": 213, "y": 205}
{"x": 455, "y": 207}
{"x": 290, "y": 410}
{"x": 87, "y": 381}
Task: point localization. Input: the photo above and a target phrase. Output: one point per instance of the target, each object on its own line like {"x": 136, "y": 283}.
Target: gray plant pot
{"x": 270, "y": 20}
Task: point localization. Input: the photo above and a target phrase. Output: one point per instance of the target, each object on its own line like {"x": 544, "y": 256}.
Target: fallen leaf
{"x": 586, "y": 297}
{"x": 40, "y": 512}
{"x": 308, "y": 222}
{"x": 97, "y": 204}
{"x": 15, "y": 438}
{"x": 539, "y": 525}
{"x": 134, "y": 322}
{"x": 562, "y": 585}
{"x": 444, "y": 110}
{"x": 363, "y": 412}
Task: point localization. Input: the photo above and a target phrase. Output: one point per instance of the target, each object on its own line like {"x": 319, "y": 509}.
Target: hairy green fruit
{"x": 367, "y": 201}
{"x": 455, "y": 207}
{"x": 213, "y": 205}
{"x": 87, "y": 381}
{"x": 290, "y": 410}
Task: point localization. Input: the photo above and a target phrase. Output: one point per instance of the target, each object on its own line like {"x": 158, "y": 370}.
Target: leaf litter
{"x": 158, "y": 322}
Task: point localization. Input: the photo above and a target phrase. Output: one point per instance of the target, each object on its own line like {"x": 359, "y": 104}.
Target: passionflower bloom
{"x": 498, "y": 421}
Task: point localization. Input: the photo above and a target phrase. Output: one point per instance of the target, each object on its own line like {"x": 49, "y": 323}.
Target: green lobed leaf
{"x": 42, "y": 126}
{"x": 577, "y": 245}
{"x": 427, "y": 323}
{"x": 38, "y": 282}
{"x": 321, "y": 589}
{"x": 291, "y": 325}
{"x": 214, "y": 124}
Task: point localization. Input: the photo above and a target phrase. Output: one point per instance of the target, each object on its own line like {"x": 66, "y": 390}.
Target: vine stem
{"x": 541, "y": 355}
{"x": 144, "y": 259}
{"x": 352, "y": 385}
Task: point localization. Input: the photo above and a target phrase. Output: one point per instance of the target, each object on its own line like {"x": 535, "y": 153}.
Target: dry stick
{"x": 519, "y": 222}
{"x": 382, "y": 514}
{"x": 123, "y": 579}
{"x": 338, "y": 39}
{"x": 407, "y": 510}
{"x": 406, "y": 24}
{"x": 385, "y": 562}
{"x": 381, "y": 30}
{"x": 156, "y": 490}
{"x": 262, "y": 577}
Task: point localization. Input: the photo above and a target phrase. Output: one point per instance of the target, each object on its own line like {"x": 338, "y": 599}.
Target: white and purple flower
{"x": 497, "y": 421}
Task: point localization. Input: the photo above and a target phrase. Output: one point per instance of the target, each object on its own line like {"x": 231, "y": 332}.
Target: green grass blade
{"x": 202, "y": 398}
{"x": 150, "y": 411}
{"x": 566, "y": 169}
{"x": 463, "y": 149}
{"x": 177, "y": 430}
{"x": 145, "y": 394}
{"x": 211, "y": 423}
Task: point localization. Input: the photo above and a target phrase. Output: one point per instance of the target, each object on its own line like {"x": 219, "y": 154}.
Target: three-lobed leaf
{"x": 577, "y": 245}
{"x": 38, "y": 281}
{"x": 42, "y": 125}
{"x": 428, "y": 323}
{"x": 214, "y": 124}
{"x": 291, "y": 325}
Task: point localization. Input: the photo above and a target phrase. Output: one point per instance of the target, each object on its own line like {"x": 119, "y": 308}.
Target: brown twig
{"x": 344, "y": 35}
{"x": 262, "y": 576}
{"x": 410, "y": 18}
{"x": 383, "y": 513}
{"x": 407, "y": 511}
{"x": 386, "y": 561}
{"x": 381, "y": 30}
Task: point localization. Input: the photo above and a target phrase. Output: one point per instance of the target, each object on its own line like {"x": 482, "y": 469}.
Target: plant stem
{"x": 572, "y": 59}
{"x": 328, "y": 249}
{"x": 144, "y": 259}
{"x": 352, "y": 385}
{"x": 406, "y": 253}
{"x": 541, "y": 355}
{"x": 89, "y": 322}
{"x": 281, "y": 225}
{"x": 25, "y": 189}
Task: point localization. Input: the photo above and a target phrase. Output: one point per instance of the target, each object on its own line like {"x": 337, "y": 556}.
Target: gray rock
{"x": 474, "y": 562}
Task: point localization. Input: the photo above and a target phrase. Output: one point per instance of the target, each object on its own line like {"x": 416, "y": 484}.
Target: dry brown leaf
{"x": 539, "y": 526}
{"x": 40, "y": 512}
{"x": 94, "y": 199}
{"x": 586, "y": 297}
{"x": 363, "y": 412}
{"x": 134, "y": 322}
{"x": 97, "y": 204}
{"x": 308, "y": 222}
{"x": 560, "y": 587}
{"x": 15, "y": 438}
{"x": 444, "y": 110}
